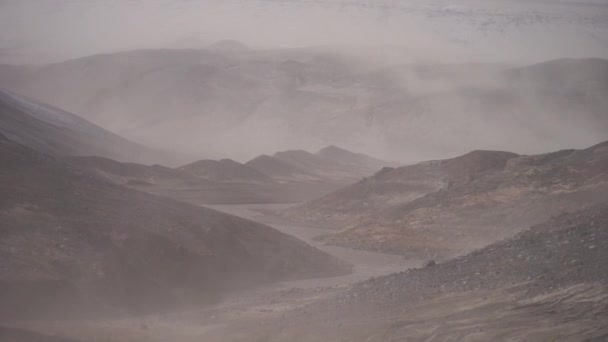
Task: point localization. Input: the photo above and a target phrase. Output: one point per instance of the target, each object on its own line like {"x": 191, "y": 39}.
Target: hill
{"x": 546, "y": 283}
{"x": 315, "y": 97}
{"x": 224, "y": 170}
{"x": 196, "y": 189}
{"x": 280, "y": 170}
{"x": 448, "y": 207}
{"x": 360, "y": 162}
{"x": 330, "y": 165}
{"x": 72, "y": 243}
{"x": 56, "y": 132}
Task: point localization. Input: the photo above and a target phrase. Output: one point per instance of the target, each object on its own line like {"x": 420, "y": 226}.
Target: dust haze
{"x": 354, "y": 55}
{"x": 303, "y": 170}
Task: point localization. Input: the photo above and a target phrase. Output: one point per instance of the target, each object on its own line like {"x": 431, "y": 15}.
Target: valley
{"x": 303, "y": 171}
{"x": 477, "y": 297}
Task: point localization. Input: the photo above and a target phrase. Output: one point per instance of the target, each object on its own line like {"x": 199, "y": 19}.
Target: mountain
{"x": 64, "y": 135}
{"x": 72, "y": 243}
{"x": 136, "y": 175}
{"x": 457, "y": 29}
{"x": 54, "y": 131}
{"x": 324, "y": 168}
{"x": 224, "y": 170}
{"x": 279, "y": 169}
{"x": 395, "y": 186}
{"x": 316, "y": 97}
{"x": 546, "y": 283}
{"x": 286, "y": 177}
{"x": 191, "y": 187}
{"x": 360, "y": 162}
{"x": 282, "y": 178}
{"x": 330, "y": 165}
{"x": 444, "y": 208}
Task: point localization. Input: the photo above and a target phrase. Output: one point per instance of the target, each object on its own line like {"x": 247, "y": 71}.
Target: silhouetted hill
{"x": 330, "y": 165}
{"x": 224, "y": 170}
{"x": 135, "y": 174}
{"x": 279, "y": 169}
{"x": 73, "y": 243}
{"x": 362, "y": 163}
{"x": 56, "y": 132}
{"x": 315, "y": 96}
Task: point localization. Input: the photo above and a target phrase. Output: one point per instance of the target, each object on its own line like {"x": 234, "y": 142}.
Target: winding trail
{"x": 366, "y": 264}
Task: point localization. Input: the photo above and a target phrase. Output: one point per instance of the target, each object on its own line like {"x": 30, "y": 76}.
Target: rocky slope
{"x": 54, "y": 131}
{"x": 71, "y": 243}
{"x": 444, "y": 208}
{"x": 546, "y": 283}
{"x": 395, "y": 186}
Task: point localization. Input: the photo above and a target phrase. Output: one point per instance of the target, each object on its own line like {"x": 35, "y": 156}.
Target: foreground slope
{"x": 72, "y": 243}
{"x": 547, "y": 283}
{"x": 448, "y": 207}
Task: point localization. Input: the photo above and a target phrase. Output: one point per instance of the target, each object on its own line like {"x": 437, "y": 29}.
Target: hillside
{"x": 358, "y": 162}
{"x": 280, "y": 170}
{"x": 546, "y": 283}
{"x": 394, "y": 186}
{"x": 72, "y": 243}
{"x": 306, "y": 98}
{"x": 56, "y": 132}
{"x": 196, "y": 189}
{"x": 448, "y": 207}
{"x": 331, "y": 165}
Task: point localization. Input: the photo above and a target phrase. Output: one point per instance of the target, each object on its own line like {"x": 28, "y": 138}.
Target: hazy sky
{"x": 51, "y": 30}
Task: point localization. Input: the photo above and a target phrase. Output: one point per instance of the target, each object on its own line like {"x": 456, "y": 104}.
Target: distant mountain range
{"x": 63, "y": 135}
{"x": 507, "y": 29}
{"x": 290, "y": 176}
{"x": 254, "y": 101}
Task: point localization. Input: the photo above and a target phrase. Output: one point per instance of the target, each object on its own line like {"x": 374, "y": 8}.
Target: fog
{"x": 53, "y": 30}
{"x": 353, "y": 92}
{"x": 303, "y": 170}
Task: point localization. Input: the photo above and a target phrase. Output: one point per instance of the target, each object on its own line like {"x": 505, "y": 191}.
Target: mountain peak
{"x": 229, "y": 45}
{"x": 332, "y": 149}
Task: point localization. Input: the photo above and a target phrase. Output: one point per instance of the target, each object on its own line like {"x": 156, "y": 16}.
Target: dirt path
{"x": 366, "y": 264}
